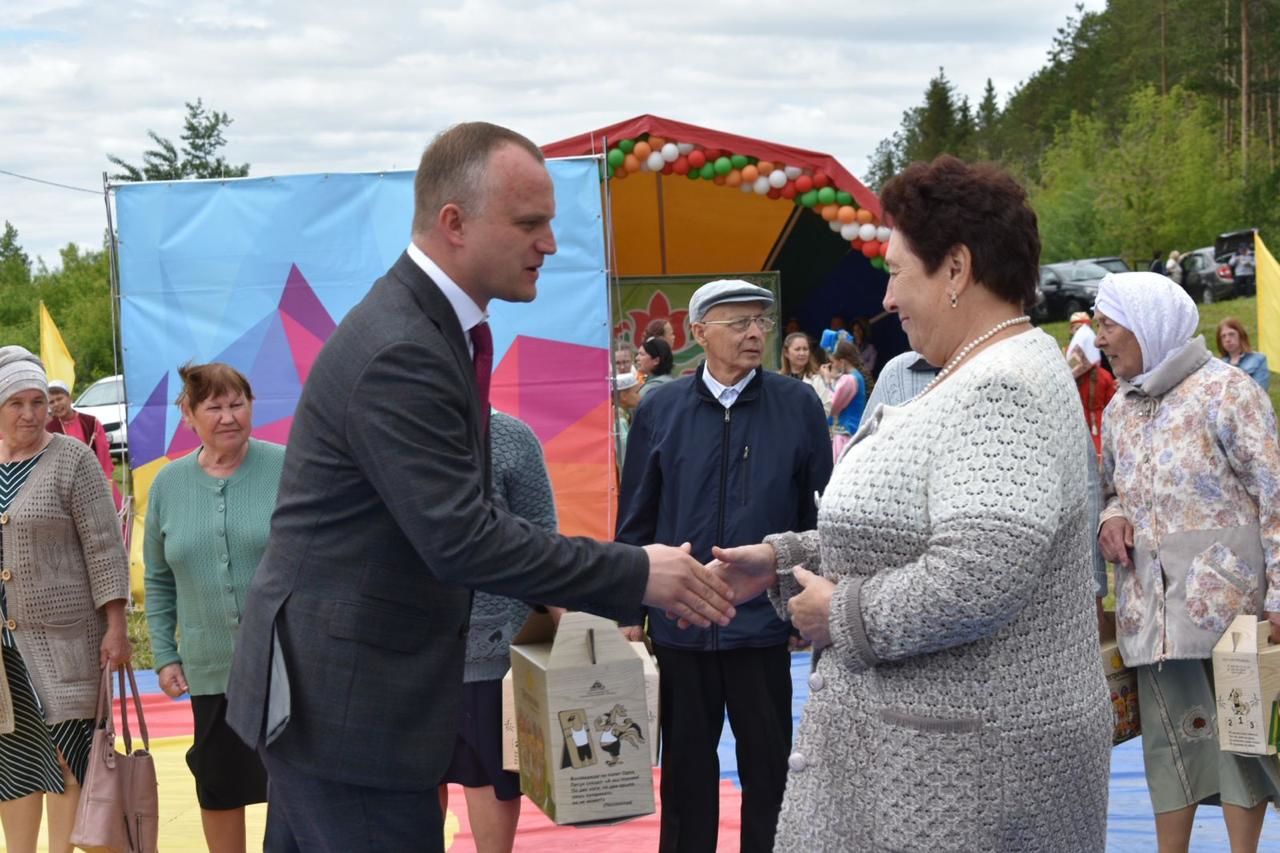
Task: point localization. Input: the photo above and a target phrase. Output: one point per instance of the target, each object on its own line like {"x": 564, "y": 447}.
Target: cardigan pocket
{"x": 1220, "y": 586}
{"x": 928, "y": 771}
{"x": 71, "y": 647}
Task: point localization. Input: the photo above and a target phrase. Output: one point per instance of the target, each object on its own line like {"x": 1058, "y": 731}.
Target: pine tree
{"x": 200, "y": 156}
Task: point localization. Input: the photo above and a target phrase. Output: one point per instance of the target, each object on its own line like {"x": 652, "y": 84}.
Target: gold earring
{"x": 954, "y": 301}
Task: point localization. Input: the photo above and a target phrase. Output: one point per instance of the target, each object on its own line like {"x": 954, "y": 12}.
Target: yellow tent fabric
{"x": 58, "y": 363}
{"x": 1268, "y": 277}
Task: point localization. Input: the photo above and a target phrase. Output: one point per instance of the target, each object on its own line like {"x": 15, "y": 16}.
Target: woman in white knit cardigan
{"x": 958, "y": 701}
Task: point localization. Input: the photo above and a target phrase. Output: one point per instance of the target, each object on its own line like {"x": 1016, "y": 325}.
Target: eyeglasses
{"x": 741, "y": 324}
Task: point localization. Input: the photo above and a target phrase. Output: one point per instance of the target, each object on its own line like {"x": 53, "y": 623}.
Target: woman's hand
{"x": 811, "y": 610}
{"x": 1274, "y": 619}
{"x": 748, "y": 569}
{"x": 1115, "y": 540}
{"x": 115, "y": 649}
{"x": 173, "y": 681}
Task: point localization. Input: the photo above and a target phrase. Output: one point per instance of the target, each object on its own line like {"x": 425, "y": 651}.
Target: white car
{"x": 104, "y": 400}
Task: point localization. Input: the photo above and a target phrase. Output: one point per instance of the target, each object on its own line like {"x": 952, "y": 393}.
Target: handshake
{"x": 698, "y": 595}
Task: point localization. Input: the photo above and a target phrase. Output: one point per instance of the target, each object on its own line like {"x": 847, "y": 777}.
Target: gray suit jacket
{"x": 383, "y": 522}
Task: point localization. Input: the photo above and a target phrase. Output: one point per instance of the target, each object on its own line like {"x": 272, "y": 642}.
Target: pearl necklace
{"x": 969, "y": 347}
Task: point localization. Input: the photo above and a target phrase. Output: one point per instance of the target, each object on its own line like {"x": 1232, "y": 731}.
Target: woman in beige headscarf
{"x": 65, "y": 582}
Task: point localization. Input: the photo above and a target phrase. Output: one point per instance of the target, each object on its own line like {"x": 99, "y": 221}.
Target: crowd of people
{"x": 341, "y": 612}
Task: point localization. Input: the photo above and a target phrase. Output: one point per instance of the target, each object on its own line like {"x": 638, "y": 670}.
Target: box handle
{"x": 591, "y": 643}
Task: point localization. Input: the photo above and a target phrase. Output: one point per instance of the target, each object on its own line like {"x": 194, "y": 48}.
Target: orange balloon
{"x": 847, "y": 214}
{"x": 656, "y": 143}
{"x": 733, "y": 178}
{"x": 631, "y": 163}
{"x": 642, "y": 150}
{"x": 830, "y": 212}
{"x": 719, "y": 180}
{"x": 864, "y": 216}
{"x": 620, "y": 173}
{"x": 750, "y": 173}
{"x": 765, "y": 167}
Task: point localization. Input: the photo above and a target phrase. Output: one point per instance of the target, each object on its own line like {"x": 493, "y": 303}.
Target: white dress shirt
{"x": 469, "y": 314}
{"x": 726, "y": 394}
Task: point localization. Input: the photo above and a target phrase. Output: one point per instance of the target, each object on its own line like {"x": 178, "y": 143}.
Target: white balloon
{"x": 883, "y": 233}
{"x": 670, "y": 152}
{"x": 793, "y": 172}
{"x": 849, "y": 231}
{"x": 684, "y": 147}
{"x": 777, "y": 179}
{"x": 761, "y": 185}
{"x": 867, "y": 232}
{"x": 835, "y": 225}
{"x": 655, "y": 161}
{"x": 747, "y": 186}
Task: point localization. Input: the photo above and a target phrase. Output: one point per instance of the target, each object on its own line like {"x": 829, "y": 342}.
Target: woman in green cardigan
{"x": 208, "y": 517}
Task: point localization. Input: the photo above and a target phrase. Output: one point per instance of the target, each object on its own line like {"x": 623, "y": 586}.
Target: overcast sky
{"x": 326, "y": 86}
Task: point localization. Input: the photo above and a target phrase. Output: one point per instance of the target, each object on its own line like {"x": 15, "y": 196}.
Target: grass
{"x": 1245, "y": 310}
{"x": 140, "y": 637}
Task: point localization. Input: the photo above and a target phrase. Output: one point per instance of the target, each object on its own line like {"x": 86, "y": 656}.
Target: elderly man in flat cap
{"x": 724, "y": 457}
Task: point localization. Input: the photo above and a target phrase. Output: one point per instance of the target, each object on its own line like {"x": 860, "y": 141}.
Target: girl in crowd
{"x": 1234, "y": 347}
{"x": 848, "y": 394}
{"x": 798, "y": 362}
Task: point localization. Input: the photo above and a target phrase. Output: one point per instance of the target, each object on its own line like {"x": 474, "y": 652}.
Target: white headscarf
{"x": 1159, "y": 313}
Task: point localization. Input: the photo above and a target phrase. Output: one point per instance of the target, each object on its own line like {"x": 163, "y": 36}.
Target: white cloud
{"x": 362, "y": 86}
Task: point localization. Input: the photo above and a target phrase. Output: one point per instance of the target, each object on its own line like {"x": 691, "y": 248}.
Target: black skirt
{"x": 477, "y": 753}
{"x": 229, "y": 775}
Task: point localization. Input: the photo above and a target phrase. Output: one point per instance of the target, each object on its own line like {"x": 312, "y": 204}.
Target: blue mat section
{"x": 1130, "y": 826}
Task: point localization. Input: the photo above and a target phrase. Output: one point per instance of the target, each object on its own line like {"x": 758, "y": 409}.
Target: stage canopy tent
{"x": 689, "y": 200}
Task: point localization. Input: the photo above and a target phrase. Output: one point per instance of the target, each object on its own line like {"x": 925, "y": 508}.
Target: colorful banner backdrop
{"x": 258, "y": 272}
{"x": 642, "y": 299}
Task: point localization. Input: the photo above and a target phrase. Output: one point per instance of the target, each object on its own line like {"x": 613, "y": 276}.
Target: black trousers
{"x": 306, "y": 814}
{"x": 696, "y": 690}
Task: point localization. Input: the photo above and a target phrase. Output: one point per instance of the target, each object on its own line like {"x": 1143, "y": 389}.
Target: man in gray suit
{"x": 348, "y": 666}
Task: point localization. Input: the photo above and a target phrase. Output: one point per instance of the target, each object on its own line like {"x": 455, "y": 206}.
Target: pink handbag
{"x": 119, "y": 808}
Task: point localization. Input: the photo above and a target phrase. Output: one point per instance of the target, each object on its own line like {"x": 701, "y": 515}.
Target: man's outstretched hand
{"x": 686, "y": 589}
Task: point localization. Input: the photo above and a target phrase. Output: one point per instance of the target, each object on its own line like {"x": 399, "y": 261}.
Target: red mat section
{"x": 539, "y": 835}
{"x": 165, "y": 717}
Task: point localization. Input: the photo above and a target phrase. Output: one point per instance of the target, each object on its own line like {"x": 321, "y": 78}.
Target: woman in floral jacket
{"x": 1191, "y": 479}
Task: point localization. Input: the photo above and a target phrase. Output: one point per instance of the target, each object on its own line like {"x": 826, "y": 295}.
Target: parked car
{"x": 1066, "y": 288}
{"x": 1225, "y": 249}
{"x": 104, "y": 400}
{"x": 1206, "y": 278}
{"x": 1111, "y": 263}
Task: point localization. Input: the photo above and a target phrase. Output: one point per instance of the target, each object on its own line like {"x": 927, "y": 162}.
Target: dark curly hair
{"x": 937, "y": 206}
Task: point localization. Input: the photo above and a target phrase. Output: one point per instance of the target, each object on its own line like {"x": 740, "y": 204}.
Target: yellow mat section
{"x": 180, "y": 830}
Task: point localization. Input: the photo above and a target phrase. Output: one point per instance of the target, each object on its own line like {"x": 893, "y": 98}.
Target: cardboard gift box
{"x": 583, "y": 733}
{"x": 510, "y": 751}
{"x": 1246, "y": 681}
{"x": 1123, "y": 684}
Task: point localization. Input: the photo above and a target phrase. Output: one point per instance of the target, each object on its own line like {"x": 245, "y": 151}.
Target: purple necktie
{"x": 482, "y": 343}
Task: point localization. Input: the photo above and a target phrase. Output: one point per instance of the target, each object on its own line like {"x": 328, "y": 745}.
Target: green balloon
{"x": 877, "y": 262}
{"x": 826, "y": 195}
{"x": 707, "y": 172}
{"x": 751, "y": 161}
{"x": 810, "y": 198}
{"x": 693, "y": 175}
{"x": 738, "y": 161}
{"x": 616, "y": 157}
{"x": 610, "y": 168}
{"x": 843, "y": 197}
{"x": 627, "y": 145}
{"x": 723, "y": 165}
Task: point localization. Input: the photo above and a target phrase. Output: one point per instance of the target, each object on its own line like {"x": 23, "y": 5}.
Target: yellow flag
{"x": 58, "y": 363}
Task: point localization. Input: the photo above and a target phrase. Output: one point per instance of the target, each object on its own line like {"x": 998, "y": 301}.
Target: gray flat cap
{"x": 725, "y": 290}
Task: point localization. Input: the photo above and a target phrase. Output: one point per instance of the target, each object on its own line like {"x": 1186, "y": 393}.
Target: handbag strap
{"x": 104, "y": 704}
{"x": 124, "y": 711}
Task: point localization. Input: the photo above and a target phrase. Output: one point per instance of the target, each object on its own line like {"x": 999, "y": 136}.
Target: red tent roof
{"x": 593, "y": 142}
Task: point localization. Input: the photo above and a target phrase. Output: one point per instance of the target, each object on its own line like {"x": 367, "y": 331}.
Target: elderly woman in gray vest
{"x": 1191, "y": 479}
{"x": 958, "y": 702}
{"x": 63, "y": 588}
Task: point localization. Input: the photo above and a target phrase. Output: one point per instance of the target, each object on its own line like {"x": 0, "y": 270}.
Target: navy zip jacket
{"x": 700, "y": 473}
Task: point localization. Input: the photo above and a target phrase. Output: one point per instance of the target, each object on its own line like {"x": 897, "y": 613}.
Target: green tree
{"x": 15, "y": 266}
{"x": 199, "y": 157}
